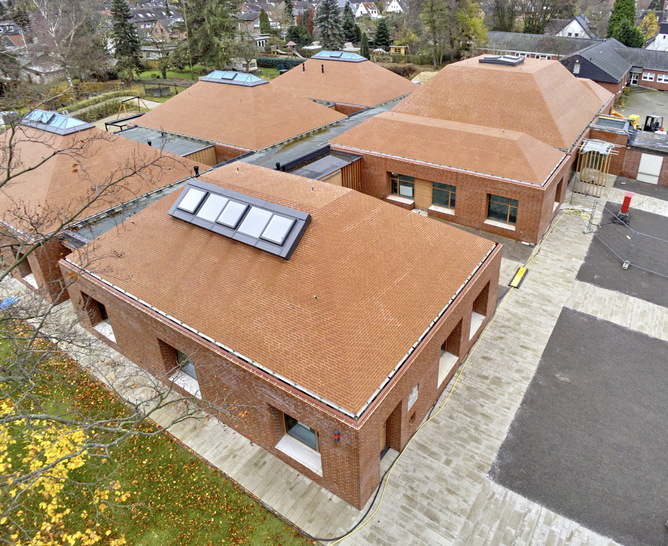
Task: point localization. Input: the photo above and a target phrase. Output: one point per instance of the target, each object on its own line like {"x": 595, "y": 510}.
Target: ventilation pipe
{"x": 303, "y": 67}
{"x": 322, "y": 68}
{"x": 149, "y": 143}
{"x": 196, "y": 169}
{"x": 278, "y": 166}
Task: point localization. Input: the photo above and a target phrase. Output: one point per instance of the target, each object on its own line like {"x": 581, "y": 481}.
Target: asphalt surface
{"x": 589, "y": 440}
{"x": 641, "y": 188}
{"x": 646, "y": 244}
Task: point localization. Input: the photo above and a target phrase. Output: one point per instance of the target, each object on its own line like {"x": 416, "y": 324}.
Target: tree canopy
{"x": 127, "y": 48}
{"x": 382, "y": 38}
{"x": 627, "y": 34}
{"x": 328, "y": 25}
{"x": 622, "y": 10}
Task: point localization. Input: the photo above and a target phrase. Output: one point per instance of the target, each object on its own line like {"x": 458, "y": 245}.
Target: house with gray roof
{"x": 538, "y": 46}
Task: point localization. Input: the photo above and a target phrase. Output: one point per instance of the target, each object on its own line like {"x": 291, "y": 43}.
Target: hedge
{"x": 101, "y": 111}
{"x": 74, "y": 107}
{"x": 278, "y": 62}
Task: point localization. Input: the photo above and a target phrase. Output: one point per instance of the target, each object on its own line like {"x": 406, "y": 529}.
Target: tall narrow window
{"x": 24, "y": 269}
{"x": 502, "y": 209}
{"x": 443, "y": 195}
{"x": 99, "y": 317}
{"x": 185, "y": 375}
{"x": 302, "y": 443}
{"x": 402, "y": 185}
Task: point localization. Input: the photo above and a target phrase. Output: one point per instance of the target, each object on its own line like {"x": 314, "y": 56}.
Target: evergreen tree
{"x": 328, "y": 23}
{"x": 299, "y": 35}
{"x": 211, "y": 30}
{"x": 623, "y": 10}
{"x": 265, "y": 26}
{"x": 627, "y": 34}
{"x": 358, "y": 34}
{"x": 288, "y": 10}
{"x": 364, "y": 46}
{"x": 127, "y": 48}
{"x": 349, "y": 24}
{"x": 382, "y": 38}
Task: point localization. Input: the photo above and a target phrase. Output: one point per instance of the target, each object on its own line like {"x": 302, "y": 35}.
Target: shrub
{"x": 274, "y": 62}
{"x": 101, "y": 111}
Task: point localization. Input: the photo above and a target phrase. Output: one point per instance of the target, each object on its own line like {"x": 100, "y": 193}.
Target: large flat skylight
{"x": 234, "y": 78}
{"x": 265, "y": 225}
{"x": 53, "y": 122}
{"x": 505, "y": 60}
{"x": 346, "y": 56}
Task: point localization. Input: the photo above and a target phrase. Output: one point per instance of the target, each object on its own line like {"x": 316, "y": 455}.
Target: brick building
{"x": 346, "y": 81}
{"x": 331, "y": 319}
{"x": 238, "y": 112}
{"x": 65, "y": 171}
{"x": 485, "y": 145}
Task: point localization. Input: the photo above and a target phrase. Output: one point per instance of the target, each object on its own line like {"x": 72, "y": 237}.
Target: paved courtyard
{"x": 440, "y": 490}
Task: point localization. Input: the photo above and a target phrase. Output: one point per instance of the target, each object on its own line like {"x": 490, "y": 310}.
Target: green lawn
{"x": 173, "y": 75}
{"x": 159, "y": 493}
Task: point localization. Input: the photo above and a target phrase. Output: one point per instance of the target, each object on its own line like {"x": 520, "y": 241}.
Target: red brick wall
{"x": 43, "y": 262}
{"x": 535, "y": 203}
{"x": 347, "y": 109}
{"x": 225, "y": 152}
{"x": 632, "y": 162}
{"x": 254, "y": 402}
{"x": 661, "y": 86}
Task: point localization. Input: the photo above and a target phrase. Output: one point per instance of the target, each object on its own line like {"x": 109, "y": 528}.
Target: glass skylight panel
{"x": 191, "y": 200}
{"x": 255, "y": 222}
{"x": 212, "y": 207}
{"x": 232, "y": 214}
{"x": 277, "y": 229}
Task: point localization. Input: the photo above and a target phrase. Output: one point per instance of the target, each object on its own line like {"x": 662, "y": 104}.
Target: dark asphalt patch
{"x": 642, "y": 188}
{"x": 602, "y": 267}
{"x": 590, "y": 439}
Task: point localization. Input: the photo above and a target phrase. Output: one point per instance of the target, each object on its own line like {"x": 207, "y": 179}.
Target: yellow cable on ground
{"x": 457, "y": 377}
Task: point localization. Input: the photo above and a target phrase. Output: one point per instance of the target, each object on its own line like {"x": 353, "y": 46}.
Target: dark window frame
{"x": 397, "y": 181}
{"x": 441, "y": 189}
{"x": 301, "y": 432}
{"x": 495, "y": 204}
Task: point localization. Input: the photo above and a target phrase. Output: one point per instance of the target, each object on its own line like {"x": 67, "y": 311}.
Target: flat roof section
{"x": 163, "y": 140}
{"x": 323, "y": 164}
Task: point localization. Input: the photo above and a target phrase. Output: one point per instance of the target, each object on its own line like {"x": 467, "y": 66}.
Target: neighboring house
{"x": 12, "y": 35}
{"x": 154, "y": 23}
{"x": 489, "y": 146}
{"x": 345, "y": 80}
{"x": 603, "y": 63}
{"x": 660, "y": 41}
{"x": 536, "y": 46}
{"x": 238, "y": 112}
{"x": 332, "y": 319}
{"x": 397, "y": 6}
{"x": 87, "y": 161}
{"x": 577, "y": 27}
{"x": 368, "y": 9}
{"x": 649, "y": 68}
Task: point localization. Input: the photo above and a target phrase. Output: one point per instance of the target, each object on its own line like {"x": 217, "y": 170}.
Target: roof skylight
{"x": 53, "y": 122}
{"x": 235, "y": 78}
{"x": 506, "y": 60}
{"x": 255, "y": 222}
{"x": 346, "y": 56}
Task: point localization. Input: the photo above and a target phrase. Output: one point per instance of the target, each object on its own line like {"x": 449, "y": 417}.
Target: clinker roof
{"x": 365, "y": 282}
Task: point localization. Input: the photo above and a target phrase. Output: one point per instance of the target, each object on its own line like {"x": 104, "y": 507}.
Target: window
{"x": 302, "y": 443}
{"x": 24, "y": 268}
{"x": 185, "y": 364}
{"x": 449, "y": 353}
{"x": 662, "y": 78}
{"x": 443, "y": 195}
{"x": 648, "y": 76}
{"x": 412, "y": 397}
{"x": 99, "y": 317}
{"x": 305, "y": 434}
{"x": 185, "y": 375}
{"x": 502, "y": 209}
{"x": 403, "y": 185}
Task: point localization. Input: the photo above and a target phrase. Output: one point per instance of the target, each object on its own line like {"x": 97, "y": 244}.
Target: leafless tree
{"x": 34, "y": 329}
{"x": 70, "y": 33}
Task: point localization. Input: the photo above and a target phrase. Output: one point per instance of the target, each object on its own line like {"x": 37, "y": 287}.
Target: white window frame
{"x": 648, "y": 76}
{"x": 662, "y": 78}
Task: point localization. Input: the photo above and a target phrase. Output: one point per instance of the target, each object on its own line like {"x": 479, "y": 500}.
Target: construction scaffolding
{"x": 593, "y": 167}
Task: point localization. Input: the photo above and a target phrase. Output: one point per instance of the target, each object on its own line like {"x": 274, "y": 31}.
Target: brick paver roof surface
{"x": 497, "y": 152}
{"x": 538, "y": 97}
{"x": 86, "y": 164}
{"x": 246, "y": 117}
{"x": 364, "y": 83}
{"x": 364, "y": 283}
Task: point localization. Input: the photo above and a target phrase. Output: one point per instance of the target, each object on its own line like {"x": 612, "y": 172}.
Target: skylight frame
{"x": 54, "y": 122}
{"x": 342, "y": 56}
{"x": 276, "y": 241}
{"x": 231, "y": 77}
